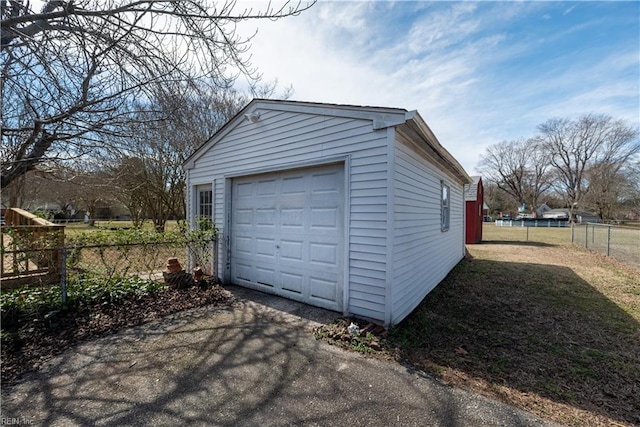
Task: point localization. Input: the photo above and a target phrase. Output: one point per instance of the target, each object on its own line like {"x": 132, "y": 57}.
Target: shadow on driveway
{"x": 249, "y": 364}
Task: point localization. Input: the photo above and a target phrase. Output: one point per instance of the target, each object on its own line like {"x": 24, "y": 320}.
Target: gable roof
{"x": 542, "y": 209}
{"x": 471, "y": 190}
{"x": 381, "y": 117}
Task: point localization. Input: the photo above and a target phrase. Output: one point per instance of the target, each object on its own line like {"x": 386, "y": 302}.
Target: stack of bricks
{"x": 175, "y": 276}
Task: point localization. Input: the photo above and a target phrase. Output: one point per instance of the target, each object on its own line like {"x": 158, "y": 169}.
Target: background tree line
{"x": 141, "y": 174}
{"x": 591, "y": 162}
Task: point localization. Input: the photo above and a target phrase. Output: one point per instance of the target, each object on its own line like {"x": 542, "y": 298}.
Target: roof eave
{"x": 415, "y": 122}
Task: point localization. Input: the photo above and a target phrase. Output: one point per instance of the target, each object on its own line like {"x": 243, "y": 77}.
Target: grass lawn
{"x": 540, "y": 324}
{"x": 74, "y": 228}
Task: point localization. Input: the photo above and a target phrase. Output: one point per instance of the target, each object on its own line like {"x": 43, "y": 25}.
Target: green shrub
{"x": 82, "y": 292}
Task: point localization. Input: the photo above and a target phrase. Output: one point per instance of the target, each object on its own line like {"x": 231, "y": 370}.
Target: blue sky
{"x": 478, "y": 72}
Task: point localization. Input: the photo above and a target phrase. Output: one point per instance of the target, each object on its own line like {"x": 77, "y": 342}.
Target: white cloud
{"x": 454, "y": 62}
{"x": 443, "y": 28}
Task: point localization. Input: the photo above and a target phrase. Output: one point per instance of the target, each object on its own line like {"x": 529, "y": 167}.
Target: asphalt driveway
{"x": 253, "y": 364}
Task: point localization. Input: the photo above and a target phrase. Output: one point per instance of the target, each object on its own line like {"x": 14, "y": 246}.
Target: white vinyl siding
{"x": 283, "y": 140}
{"x": 422, "y": 254}
{"x": 394, "y": 248}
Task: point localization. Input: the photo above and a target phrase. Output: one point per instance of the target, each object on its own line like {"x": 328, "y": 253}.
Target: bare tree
{"x": 149, "y": 172}
{"x": 518, "y": 168}
{"x": 630, "y": 200}
{"x": 71, "y": 71}
{"x": 56, "y": 188}
{"x": 88, "y": 185}
{"x": 605, "y": 189}
{"x": 591, "y": 143}
{"x": 129, "y": 187}
{"x": 498, "y": 200}
{"x": 42, "y": 187}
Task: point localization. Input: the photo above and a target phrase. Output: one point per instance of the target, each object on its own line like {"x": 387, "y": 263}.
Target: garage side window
{"x": 445, "y": 209}
{"x": 205, "y": 205}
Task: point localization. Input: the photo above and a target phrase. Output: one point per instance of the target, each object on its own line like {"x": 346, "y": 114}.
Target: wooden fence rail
{"x": 31, "y": 250}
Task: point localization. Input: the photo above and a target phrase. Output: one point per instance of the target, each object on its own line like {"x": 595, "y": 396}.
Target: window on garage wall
{"x": 445, "y": 206}
{"x": 204, "y": 203}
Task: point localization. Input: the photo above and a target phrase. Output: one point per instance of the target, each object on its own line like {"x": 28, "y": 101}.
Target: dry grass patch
{"x": 542, "y": 325}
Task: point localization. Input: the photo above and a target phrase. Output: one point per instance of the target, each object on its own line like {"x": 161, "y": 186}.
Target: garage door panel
{"x": 292, "y": 282}
{"x": 266, "y": 188}
{"x": 266, "y": 247}
{"x": 294, "y": 185}
{"x": 266, "y": 217}
{"x": 323, "y": 183}
{"x": 244, "y": 190}
{"x": 287, "y": 234}
{"x": 292, "y": 217}
{"x": 265, "y": 275}
{"x": 243, "y": 270}
{"x": 325, "y": 254}
{"x": 324, "y": 218}
{"x": 244, "y": 217}
{"x": 292, "y": 250}
{"x": 322, "y": 289}
{"x": 244, "y": 245}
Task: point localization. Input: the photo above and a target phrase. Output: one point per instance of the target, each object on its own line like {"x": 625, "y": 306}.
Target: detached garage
{"x": 355, "y": 209}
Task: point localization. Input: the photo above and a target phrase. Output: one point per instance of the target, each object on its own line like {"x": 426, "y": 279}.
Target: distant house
{"x": 50, "y": 207}
{"x": 474, "y": 200}
{"x": 556, "y": 214}
{"x": 540, "y": 210}
{"x": 355, "y": 209}
{"x": 586, "y": 216}
{"x": 545, "y": 212}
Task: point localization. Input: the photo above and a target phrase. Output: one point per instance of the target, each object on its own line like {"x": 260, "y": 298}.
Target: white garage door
{"x": 287, "y": 234}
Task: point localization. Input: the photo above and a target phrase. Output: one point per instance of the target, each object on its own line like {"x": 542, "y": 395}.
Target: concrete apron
{"x": 254, "y": 364}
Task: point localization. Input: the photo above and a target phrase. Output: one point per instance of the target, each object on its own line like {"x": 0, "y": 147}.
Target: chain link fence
{"x": 543, "y": 232}
{"x": 146, "y": 260}
{"x": 621, "y": 243}
{"x": 38, "y": 265}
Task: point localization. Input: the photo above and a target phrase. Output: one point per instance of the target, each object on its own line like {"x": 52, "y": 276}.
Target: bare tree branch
{"x": 519, "y": 168}
{"x": 74, "y": 71}
{"x": 589, "y": 143}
